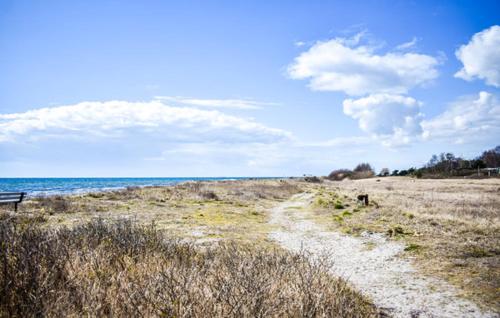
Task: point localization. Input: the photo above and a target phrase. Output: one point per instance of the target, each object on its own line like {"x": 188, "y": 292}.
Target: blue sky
{"x": 243, "y": 88}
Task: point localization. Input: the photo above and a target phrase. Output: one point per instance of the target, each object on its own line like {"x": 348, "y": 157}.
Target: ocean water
{"x": 52, "y": 186}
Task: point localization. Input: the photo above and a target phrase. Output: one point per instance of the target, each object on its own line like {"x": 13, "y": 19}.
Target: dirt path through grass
{"x": 371, "y": 264}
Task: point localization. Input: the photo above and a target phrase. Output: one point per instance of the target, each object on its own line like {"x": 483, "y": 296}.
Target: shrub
{"x": 477, "y": 252}
{"x": 338, "y": 206}
{"x": 412, "y": 247}
{"x": 312, "y": 179}
{"x": 363, "y": 171}
{"x": 123, "y": 269}
{"x": 54, "y": 204}
{"x": 362, "y": 175}
{"x": 384, "y": 172}
{"x": 209, "y": 195}
{"x": 340, "y": 174}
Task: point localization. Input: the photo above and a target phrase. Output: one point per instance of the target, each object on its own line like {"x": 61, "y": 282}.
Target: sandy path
{"x": 391, "y": 282}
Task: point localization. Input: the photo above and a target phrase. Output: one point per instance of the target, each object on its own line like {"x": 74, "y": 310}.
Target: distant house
{"x": 491, "y": 171}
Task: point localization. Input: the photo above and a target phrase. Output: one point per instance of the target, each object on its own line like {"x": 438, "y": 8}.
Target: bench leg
{"x": 15, "y": 207}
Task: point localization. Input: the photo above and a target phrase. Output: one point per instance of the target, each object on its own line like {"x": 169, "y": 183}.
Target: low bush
{"x": 53, "y": 204}
{"x": 362, "y": 174}
{"x": 123, "y": 269}
{"x": 208, "y": 195}
{"x": 312, "y": 179}
{"x": 340, "y": 174}
{"x": 338, "y": 206}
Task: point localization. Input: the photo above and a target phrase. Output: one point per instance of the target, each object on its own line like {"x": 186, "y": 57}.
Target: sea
{"x": 59, "y": 186}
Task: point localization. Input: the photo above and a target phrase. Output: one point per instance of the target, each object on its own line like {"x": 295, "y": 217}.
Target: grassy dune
{"x": 451, "y": 227}
{"x": 205, "y": 211}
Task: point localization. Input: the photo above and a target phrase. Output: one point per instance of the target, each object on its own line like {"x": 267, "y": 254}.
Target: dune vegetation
{"x": 201, "y": 248}
{"x": 120, "y": 268}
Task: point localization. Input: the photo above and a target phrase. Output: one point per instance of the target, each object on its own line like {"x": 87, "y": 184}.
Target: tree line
{"x": 448, "y": 165}
{"x": 439, "y": 166}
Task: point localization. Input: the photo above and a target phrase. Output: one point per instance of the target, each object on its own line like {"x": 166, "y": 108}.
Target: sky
{"x": 243, "y": 88}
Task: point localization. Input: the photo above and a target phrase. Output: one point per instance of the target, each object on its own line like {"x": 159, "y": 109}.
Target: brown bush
{"x": 123, "y": 269}
{"x": 362, "y": 174}
{"x": 209, "y": 195}
{"x": 363, "y": 171}
{"x": 340, "y": 174}
{"x": 53, "y": 204}
{"x": 312, "y": 179}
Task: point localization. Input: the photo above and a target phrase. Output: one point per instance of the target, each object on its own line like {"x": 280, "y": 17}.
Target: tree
{"x": 384, "y": 172}
{"x": 491, "y": 157}
{"x": 363, "y": 167}
{"x": 433, "y": 161}
{"x": 478, "y": 164}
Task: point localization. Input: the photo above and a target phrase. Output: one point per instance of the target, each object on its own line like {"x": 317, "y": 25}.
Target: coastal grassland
{"x": 451, "y": 227}
{"x": 125, "y": 268}
{"x": 202, "y": 211}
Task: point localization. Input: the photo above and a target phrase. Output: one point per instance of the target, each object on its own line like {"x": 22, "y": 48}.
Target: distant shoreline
{"x": 36, "y": 187}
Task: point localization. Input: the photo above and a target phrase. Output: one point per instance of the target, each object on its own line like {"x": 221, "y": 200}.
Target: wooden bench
{"x": 12, "y": 197}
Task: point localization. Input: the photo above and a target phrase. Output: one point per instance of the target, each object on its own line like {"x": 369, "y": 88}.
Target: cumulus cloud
{"x": 469, "y": 118}
{"x": 394, "y": 119}
{"x": 481, "y": 57}
{"x": 216, "y": 103}
{"x": 346, "y": 65}
{"x": 117, "y": 118}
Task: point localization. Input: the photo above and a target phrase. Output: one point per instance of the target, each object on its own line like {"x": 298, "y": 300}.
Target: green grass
{"x": 338, "y": 206}
{"x": 412, "y": 247}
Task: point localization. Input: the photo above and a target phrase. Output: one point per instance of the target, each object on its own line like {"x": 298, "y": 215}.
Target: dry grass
{"x": 125, "y": 269}
{"x": 451, "y": 226}
{"x": 204, "y": 211}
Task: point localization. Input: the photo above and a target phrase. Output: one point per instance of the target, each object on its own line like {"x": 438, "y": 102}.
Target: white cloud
{"x": 341, "y": 142}
{"x": 118, "y": 118}
{"x": 393, "y": 119}
{"x": 216, "y": 103}
{"x": 481, "y": 57}
{"x": 407, "y": 45}
{"x": 345, "y": 65}
{"x": 468, "y": 119}
{"x": 280, "y": 158}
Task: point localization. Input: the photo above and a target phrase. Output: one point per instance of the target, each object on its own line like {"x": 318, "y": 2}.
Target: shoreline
{"x": 124, "y": 183}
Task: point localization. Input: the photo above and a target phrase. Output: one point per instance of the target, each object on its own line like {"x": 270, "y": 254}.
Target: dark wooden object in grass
{"x": 12, "y": 197}
{"x": 364, "y": 199}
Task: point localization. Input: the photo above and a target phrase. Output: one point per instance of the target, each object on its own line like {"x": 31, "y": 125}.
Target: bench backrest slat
{"x": 11, "y": 197}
